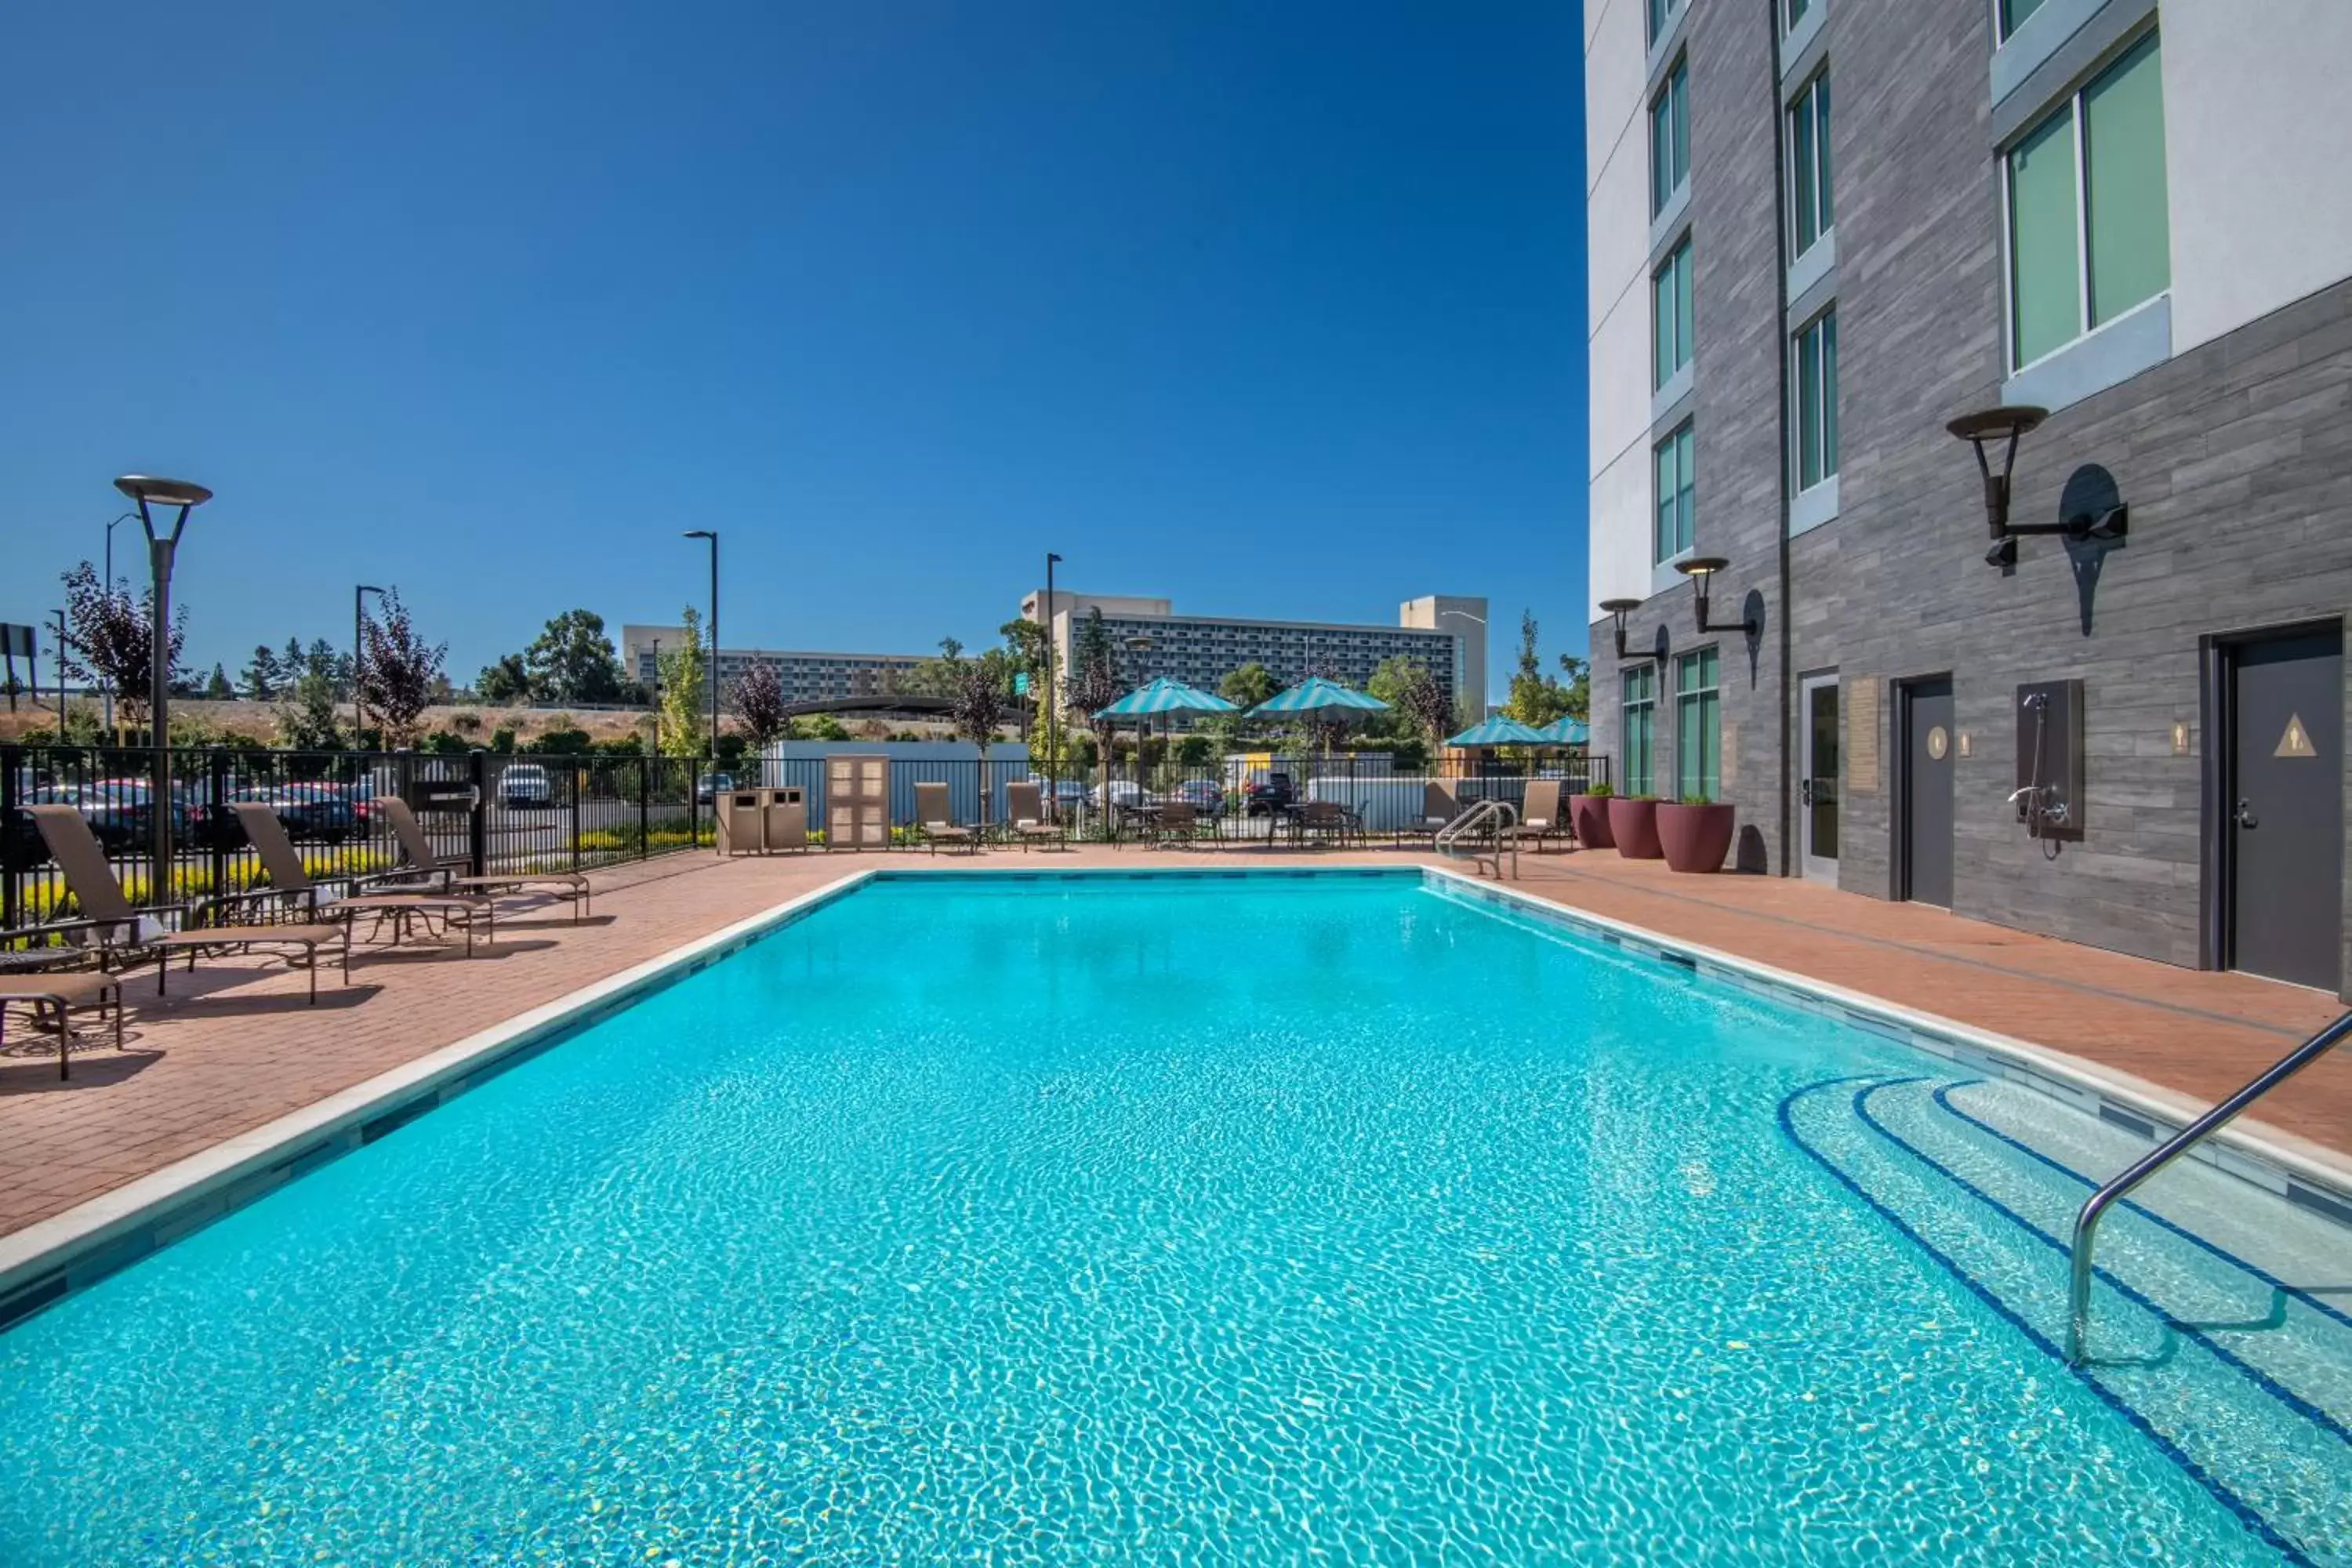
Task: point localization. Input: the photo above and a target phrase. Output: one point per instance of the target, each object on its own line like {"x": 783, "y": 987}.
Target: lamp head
{"x": 145, "y": 489}
{"x": 1617, "y": 610}
{"x": 2003, "y": 424}
{"x": 699, "y": 533}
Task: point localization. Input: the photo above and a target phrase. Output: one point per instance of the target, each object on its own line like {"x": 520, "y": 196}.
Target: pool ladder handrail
{"x": 2086, "y": 1223}
{"x": 1498, "y": 821}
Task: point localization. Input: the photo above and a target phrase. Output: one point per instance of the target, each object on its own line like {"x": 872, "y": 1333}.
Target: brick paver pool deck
{"x": 235, "y": 1047}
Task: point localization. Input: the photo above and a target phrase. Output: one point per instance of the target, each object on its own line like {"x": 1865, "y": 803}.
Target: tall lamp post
{"x": 109, "y": 586}
{"x": 146, "y": 493}
{"x": 359, "y": 653}
{"x": 1053, "y": 757}
{"x": 712, "y": 535}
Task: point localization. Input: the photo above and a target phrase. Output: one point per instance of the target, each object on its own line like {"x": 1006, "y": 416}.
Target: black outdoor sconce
{"x": 1699, "y": 568}
{"x": 1617, "y": 609}
{"x": 2005, "y": 426}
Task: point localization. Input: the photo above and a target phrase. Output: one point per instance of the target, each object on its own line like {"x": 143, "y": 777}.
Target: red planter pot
{"x": 1694, "y": 837}
{"x": 1588, "y": 815}
{"x": 1633, "y": 825}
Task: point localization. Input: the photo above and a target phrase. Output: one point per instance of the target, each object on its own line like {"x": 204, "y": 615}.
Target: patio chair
{"x": 935, "y": 819}
{"x": 108, "y": 908}
{"x": 422, "y": 860}
{"x": 59, "y": 994}
{"x": 1438, "y": 808}
{"x": 1024, "y": 813}
{"x": 1541, "y": 817}
{"x": 1174, "y": 822}
{"x": 290, "y": 879}
{"x": 1324, "y": 819}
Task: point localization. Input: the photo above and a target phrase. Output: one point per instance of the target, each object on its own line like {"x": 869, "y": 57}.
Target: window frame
{"x": 1707, "y": 700}
{"x": 1822, "y": 428}
{"x": 1660, "y": 16}
{"x": 1681, "y": 309}
{"x": 1683, "y": 441}
{"x": 1641, "y": 768}
{"x": 1674, "y": 90}
{"x": 1794, "y": 11}
{"x": 1807, "y": 104}
{"x": 2003, "y": 30}
{"x": 2070, "y": 103}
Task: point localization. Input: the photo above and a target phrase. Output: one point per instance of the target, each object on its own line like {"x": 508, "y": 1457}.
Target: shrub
{"x": 1601, "y": 791}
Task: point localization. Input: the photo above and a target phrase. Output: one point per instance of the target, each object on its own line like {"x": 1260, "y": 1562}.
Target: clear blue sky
{"x": 1269, "y": 309}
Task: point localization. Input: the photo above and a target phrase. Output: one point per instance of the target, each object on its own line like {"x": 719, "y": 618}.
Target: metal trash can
{"x": 783, "y": 818}
{"x": 739, "y": 822}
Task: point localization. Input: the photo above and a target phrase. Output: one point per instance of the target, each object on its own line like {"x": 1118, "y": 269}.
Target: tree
{"x": 760, "y": 703}
{"x": 325, "y": 659}
{"x": 306, "y": 719}
{"x": 111, "y": 639}
{"x": 218, "y": 689}
{"x": 684, "y": 689}
{"x": 261, "y": 677}
{"x": 505, "y": 681}
{"x": 1537, "y": 698}
{"x": 1094, "y": 683}
{"x": 1250, "y": 685}
{"x": 397, "y": 680}
{"x": 983, "y": 697}
{"x": 1578, "y": 686}
{"x": 572, "y": 660}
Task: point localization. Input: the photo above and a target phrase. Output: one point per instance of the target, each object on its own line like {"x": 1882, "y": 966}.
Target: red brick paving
{"x": 237, "y": 1047}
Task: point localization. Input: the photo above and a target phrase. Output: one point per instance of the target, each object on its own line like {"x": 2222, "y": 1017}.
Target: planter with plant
{"x": 1633, "y": 825}
{"x": 1588, "y": 814}
{"x": 1695, "y": 833}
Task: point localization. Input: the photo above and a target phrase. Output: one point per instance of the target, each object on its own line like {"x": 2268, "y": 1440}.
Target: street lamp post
{"x": 147, "y": 492}
{"x": 61, "y": 679}
{"x": 712, "y": 535}
{"x": 107, "y": 687}
{"x": 1053, "y": 756}
{"x": 359, "y": 654}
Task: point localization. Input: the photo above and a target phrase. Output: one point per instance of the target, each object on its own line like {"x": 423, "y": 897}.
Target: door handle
{"x": 1806, "y": 793}
{"x": 2245, "y": 815}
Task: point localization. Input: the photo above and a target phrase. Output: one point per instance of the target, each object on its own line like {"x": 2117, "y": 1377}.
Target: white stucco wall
{"x": 1617, "y": 209}
{"x": 2257, "y": 143}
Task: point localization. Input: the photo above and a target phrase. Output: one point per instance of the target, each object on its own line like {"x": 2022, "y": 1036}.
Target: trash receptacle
{"x": 739, "y": 822}
{"x": 784, "y": 818}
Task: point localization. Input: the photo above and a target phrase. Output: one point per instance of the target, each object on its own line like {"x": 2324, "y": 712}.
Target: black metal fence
{"x": 571, "y": 813}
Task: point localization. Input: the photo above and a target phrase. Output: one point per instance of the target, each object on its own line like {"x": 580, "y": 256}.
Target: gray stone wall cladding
{"x": 2235, "y": 459}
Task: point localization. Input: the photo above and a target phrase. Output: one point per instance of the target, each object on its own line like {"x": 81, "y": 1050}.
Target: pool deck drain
{"x": 235, "y": 1048}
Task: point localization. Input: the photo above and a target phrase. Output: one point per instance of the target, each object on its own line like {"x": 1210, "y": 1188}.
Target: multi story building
{"x": 805, "y": 676}
{"x": 2125, "y": 731}
{"x": 1446, "y": 635}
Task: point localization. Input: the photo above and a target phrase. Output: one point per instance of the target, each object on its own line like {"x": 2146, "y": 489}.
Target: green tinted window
{"x": 1670, "y": 139}
{"x": 2044, "y": 262}
{"x": 1675, "y": 491}
{"x": 2123, "y": 166}
{"x": 2013, "y": 14}
{"x": 1809, "y": 164}
{"x": 1814, "y": 398}
{"x": 1639, "y": 706}
{"x": 1698, "y": 726}
{"x": 1671, "y": 305}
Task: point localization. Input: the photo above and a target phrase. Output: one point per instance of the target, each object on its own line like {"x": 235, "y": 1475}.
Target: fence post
{"x": 477, "y": 821}
{"x": 217, "y": 816}
{"x": 693, "y": 804}
{"x": 579, "y": 783}
{"x": 11, "y": 761}
{"x": 645, "y": 805}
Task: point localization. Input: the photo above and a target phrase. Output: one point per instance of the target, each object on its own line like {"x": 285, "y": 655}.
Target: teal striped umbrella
{"x": 1316, "y": 698}
{"x": 1565, "y": 732}
{"x": 1496, "y": 731}
{"x": 1164, "y": 696}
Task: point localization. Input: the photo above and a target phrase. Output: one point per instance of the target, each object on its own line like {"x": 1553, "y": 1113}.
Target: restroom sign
{"x": 2295, "y": 743}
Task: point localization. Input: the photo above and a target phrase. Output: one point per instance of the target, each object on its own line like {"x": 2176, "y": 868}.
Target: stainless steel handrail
{"x": 2086, "y": 1223}
{"x": 1502, "y": 819}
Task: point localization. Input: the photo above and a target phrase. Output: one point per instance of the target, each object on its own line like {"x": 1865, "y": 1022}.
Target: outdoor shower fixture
{"x": 2049, "y": 793}
{"x": 2006, "y": 425}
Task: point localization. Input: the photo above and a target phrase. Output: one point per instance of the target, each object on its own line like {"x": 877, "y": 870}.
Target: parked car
{"x": 708, "y": 787}
{"x": 1263, "y": 797}
{"x": 1121, "y": 792}
{"x": 525, "y": 785}
{"x": 313, "y": 811}
{"x": 1206, "y": 796}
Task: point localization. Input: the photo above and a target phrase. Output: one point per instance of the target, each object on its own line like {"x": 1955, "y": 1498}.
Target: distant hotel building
{"x": 806, "y": 676}
{"x": 1444, "y": 634}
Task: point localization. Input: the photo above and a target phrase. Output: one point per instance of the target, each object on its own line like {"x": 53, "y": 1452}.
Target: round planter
{"x": 1588, "y": 815}
{"x": 1633, "y": 825}
{"x": 1694, "y": 837}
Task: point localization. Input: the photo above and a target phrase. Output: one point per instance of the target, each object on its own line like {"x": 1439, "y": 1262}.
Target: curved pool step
{"x": 2264, "y": 1451}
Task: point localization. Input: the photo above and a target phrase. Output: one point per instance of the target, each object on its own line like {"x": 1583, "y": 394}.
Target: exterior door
{"x": 1818, "y": 791}
{"x": 2285, "y": 813}
{"x": 1927, "y": 749}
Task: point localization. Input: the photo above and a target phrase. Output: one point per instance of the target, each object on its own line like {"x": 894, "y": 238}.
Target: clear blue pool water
{"x": 1191, "y": 1222}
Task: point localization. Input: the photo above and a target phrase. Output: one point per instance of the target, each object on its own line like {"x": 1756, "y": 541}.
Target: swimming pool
{"x": 1193, "y": 1220}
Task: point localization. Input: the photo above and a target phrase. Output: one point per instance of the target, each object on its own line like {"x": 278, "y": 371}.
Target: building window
{"x": 1698, "y": 727}
{"x": 1793, "y": 11}
{"x": 1670, "y": 138}
{"x": 1814, "y": 396}
{"x": 1662, "y": 16}
{"x": 1641, "y": 686}
{"x": 1674, "y": 460}
{"x": 1809, "y": 216}
{"x": 2088, "y": 233}
{"x": 2013, "y": 14}
{"x": 1670, "y": 292}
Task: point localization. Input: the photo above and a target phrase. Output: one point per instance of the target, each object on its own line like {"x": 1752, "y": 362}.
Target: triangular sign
{"x": 2294, "y": 742}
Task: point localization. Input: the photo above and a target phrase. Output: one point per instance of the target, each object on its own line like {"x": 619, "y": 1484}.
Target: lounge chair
{"x": 1174, "y": 822}
{"x": 1540, "y": 817}
{"x": 59, "y": 992}
{"x": 1024, "y": 811}
{"x": 289, "y": 879}
{"x": 108, "y": 908}
{"x": 1438, "y": 808}
{"x": 934, "y": 818}
{"x": 423, "y": 861}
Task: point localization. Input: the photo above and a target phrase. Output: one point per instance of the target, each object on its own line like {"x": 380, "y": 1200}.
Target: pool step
{"x": 2266, "y": 1450}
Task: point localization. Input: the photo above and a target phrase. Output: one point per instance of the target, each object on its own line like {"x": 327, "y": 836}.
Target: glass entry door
{"x": 1817, "y": 789}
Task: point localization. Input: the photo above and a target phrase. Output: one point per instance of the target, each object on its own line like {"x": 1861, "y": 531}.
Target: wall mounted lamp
{"x": 1616, "y": 610}
{"x": 1699, "y": 569}
{"x": 2005, "y": 426}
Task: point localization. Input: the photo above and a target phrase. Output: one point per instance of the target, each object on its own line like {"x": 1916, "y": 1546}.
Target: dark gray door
{"x": 1928, "y": 748}
{"x": 2286, "y": 816}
